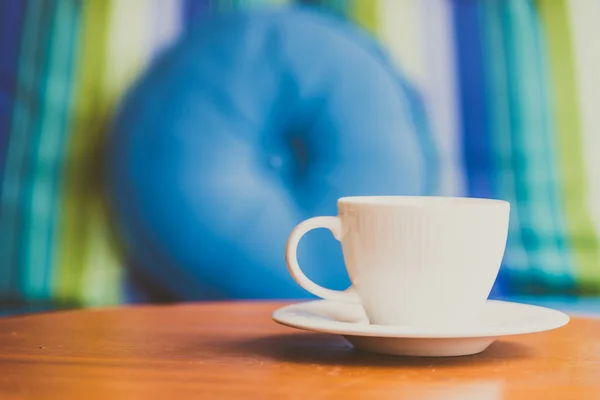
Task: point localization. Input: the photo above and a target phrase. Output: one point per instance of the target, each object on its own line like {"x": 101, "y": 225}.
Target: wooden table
{"x": 234, "y": 350}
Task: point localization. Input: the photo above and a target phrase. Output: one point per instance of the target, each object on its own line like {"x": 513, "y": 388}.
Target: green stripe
{"x": 78, "y": 190}
{"x": 581, "y": 234}
{"x": 364, "y": 13}
{"x": 101, "y": 283}
{"x": 557, "y": 264}
{"x": 47, "y": 152}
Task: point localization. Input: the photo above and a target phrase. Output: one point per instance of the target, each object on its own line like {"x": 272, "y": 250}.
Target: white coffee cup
{"x": 415, "y": 261}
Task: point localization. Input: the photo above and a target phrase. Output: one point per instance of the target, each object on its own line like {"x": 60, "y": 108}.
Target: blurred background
{"x": 162, "y": 150}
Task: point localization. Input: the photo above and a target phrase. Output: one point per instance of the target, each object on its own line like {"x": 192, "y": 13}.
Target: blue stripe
{"x": 193, "y": 9}
{"x": 475, "y": 141}
{"x": 12, "y": 13}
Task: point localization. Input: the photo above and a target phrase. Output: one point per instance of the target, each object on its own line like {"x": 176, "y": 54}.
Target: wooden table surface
{"x": 234, "y": 350}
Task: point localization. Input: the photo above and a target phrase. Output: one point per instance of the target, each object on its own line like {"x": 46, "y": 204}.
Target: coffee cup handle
{"x": 335, "y": 226}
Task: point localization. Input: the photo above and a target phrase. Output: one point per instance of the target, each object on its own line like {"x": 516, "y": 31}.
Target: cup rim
{"x": 421, "y": 201}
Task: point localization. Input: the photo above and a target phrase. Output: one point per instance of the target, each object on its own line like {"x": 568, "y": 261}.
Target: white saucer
{"x": 498, "y": 318}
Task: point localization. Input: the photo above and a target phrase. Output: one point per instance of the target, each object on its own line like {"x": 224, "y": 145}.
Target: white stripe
{"x": 441, "y": 91}
{"x": 129, "y": 31}
{"x": 585, "y": 25}
{"x": 418, "y": 34}
{"x": 167, "y": 17}
{"x": 400, "y": 32}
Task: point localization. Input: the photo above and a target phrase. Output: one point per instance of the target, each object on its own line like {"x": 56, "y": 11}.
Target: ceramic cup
{"x": 417, "y": 261}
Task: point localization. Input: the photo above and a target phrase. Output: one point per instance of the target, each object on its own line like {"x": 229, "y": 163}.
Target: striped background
{"x": 511, "y": 87}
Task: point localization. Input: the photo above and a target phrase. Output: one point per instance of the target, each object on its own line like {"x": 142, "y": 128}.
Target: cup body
{"x": 422, "y": 261}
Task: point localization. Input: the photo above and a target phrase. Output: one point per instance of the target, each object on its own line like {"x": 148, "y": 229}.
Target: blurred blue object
{"x": 250, "y": 124}
{"x": 573, "y": 305}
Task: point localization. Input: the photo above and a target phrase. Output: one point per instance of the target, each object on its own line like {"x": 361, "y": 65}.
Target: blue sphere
{"x": 251, "y": 123}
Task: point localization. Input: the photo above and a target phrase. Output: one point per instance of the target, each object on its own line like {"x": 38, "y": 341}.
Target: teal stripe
{"x": 339, "y": 7}
{"x": 47, "y": 154}
{"x": 562, "y": 274}
{"x": 534, "y": 160}
{"x": 30, "y": 62}
{"x": 225, "y": 5}
{"x": 515, "y": 261}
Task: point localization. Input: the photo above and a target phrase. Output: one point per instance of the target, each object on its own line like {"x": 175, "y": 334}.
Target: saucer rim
{"x": 554, "y": 319}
